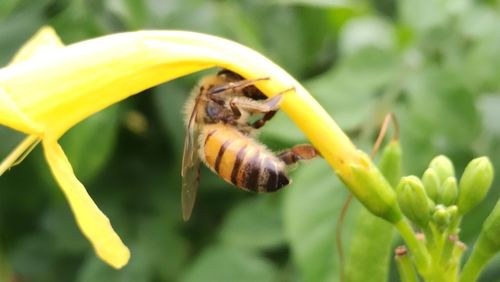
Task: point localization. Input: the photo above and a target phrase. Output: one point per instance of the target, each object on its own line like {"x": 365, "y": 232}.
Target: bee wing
{"x": 190, "y": 167}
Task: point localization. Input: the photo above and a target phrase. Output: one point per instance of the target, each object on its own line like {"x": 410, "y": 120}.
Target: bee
{"x": 220, "y": 134}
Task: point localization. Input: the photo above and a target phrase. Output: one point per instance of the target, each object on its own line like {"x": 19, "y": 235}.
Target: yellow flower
{"x": 48, "y": 88}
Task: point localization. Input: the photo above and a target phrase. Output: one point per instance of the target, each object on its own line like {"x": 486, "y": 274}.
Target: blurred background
{"x": 432, "y": 62}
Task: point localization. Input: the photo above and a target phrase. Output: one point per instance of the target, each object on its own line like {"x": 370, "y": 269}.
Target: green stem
{"x": 458, "y": 251}
{"x": 439, "y": 240}
{"x": 405, "y": 267}
{"x": 417, "y": 248}
{"x": 477, "y": 261}
{"x": 429, "y": 237}
{"x": 446, "y": 254}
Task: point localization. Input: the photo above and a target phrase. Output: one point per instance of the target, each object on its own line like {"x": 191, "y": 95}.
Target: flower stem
{"x": 429, "y": 237}
{"x": 448, "y": 248}
{"x": 417, "y": 249}
{"x": 457, "y": 253}
{"x": 405, "y": 267}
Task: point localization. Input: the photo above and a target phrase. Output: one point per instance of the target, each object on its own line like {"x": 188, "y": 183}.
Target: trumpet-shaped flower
{"x": 48, "y": 88}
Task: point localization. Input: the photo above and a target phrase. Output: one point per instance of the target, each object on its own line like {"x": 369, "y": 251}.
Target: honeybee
{"x": 220, "y": 134}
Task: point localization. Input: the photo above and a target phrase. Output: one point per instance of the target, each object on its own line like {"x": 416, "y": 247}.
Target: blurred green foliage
{"x": 432, "y": 62}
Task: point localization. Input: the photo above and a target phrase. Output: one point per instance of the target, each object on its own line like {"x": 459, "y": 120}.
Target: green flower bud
{"x": 443, "y": 167}
{"x": 449, "y": 191}
{"x": 441, "y": 217}
{"x": 453, "y": 211}
{"x": 432, "y": 184}
{"x": 413, "y": 200}
{"x": 374, "y": 192}
{"x": 455, "y": 219}
{"x": 390, "y": 163}
{"x": 474, "y": 184}
{"x": 432, "y": 205}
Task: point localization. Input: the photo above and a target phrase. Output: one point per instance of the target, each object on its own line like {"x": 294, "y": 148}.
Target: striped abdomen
{"x": 242, "y": 161}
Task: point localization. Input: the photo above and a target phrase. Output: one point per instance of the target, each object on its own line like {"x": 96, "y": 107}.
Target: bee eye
{"x": 212, "y": 111}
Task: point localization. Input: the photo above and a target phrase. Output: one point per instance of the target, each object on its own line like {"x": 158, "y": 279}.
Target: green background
{"x": 434, "y": 63}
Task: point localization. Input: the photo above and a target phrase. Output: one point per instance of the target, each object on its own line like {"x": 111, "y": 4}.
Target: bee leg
{"x": 269, "y": 107}
{"x": 234, "y": 86}
{"x": 234, "y": 107}
{"x": 298, "y": 153}
{"x": 261, "y": 122}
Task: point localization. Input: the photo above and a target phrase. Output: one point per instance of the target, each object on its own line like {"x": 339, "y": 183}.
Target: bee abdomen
{"x": 241, "y": 161}
{"x": 260, "y": 173}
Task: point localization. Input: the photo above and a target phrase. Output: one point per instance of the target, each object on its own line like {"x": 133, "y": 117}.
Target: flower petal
{"x": 92, "y": 222}
{"x": 43, "y": 42}
{"x": 14, "y": 118}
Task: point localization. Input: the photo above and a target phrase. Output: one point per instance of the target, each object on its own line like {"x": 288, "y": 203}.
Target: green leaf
{"x": 311, "y": 212}
{"x": 227, "y": 264}
{"x": 254, "y": 224}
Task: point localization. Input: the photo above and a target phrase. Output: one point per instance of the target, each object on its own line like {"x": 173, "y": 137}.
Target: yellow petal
{"x": 43, "y": 42}
{"x": 93, "y": 223}
{"x": 11, "y": 116}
